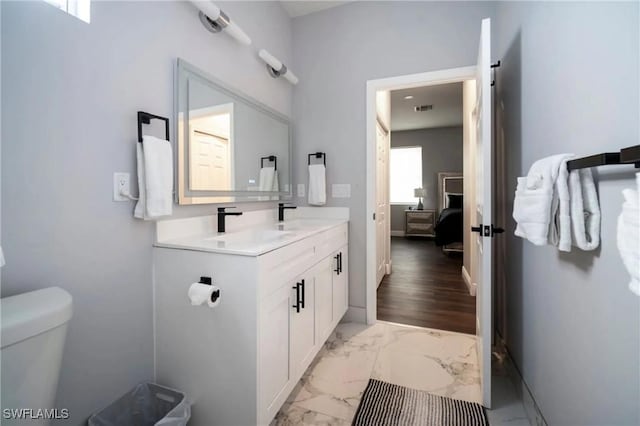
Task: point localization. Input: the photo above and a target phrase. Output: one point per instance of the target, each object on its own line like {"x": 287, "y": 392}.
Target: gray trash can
{"x": 147, "y": 404}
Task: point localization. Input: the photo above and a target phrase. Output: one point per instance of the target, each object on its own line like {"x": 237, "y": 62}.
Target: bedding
{"x": 449, "y": 226}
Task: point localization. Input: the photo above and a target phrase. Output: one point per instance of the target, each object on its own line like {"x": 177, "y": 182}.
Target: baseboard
{"x": 388, "y": 267}
{"x": 467, "y": 280}
{"x": 397, "y": 233}
{"x": 531, "y": 408}
{"x": 355, "y": 314}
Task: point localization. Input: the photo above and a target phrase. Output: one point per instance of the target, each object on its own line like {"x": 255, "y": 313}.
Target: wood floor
{"x": 426, "y": 288}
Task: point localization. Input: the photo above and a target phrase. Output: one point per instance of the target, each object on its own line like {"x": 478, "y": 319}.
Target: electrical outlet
{"x": 121, "y": 185}
{"x": 301, "y": 190}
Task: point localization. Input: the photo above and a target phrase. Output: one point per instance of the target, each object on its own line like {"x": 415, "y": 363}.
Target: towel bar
{"x": 317, "y": 155}
{"x": 145, "y": 118}
{"x": 271, "y": 158}
{"x": 630, "y": 155}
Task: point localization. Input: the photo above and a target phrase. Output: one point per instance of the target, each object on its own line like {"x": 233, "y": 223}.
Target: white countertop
{"x": 255, "y": 240}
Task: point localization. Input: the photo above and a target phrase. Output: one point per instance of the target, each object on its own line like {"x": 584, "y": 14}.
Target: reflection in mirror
{"x": 230, "y": 148}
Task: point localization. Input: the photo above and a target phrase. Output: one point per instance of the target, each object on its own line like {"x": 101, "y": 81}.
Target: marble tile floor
{"x": 440, "y": 362}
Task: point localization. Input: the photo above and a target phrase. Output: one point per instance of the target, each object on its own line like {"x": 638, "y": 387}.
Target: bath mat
{"x": 385, "y": 404}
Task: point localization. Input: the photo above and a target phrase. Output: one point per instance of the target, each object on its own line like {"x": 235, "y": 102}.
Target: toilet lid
{"x": 28, "y": 314}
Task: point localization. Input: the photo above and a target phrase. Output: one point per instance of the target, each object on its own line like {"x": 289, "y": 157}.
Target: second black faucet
{"x": 222, "y": 214}
{"x": 281, "y": 209}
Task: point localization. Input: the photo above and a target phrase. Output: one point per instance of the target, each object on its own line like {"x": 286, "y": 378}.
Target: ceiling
{"x": 447, "y": 107}
{"x": 305, "y": 7}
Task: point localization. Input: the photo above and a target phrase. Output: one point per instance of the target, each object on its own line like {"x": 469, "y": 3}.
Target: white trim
{"x": 397, "y": 233}
{"x": 388, "y": 267}
{"x": 355, "y": 314}
{"x": 467, "y": 280}
{"x": 445, "y": 76}
{"x": 531, "y": 407}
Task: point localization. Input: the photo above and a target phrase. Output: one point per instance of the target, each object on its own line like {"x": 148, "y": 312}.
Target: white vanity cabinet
{"x": 239, "y": 361}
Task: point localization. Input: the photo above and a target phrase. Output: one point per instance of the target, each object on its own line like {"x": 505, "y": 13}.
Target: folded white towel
{"x": 267, "y": 178}
{"x": 1, "y": 258}
{"x": 541, "y": 206}
{"x": 629, "y": 235}
{"x": 585, "y": 210}
{"x": 155, "y": 178}
{"x": 317, "y": 185}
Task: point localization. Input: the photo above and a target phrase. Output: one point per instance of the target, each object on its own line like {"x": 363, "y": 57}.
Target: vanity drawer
{"x": 282, "y": 265}
{"x": 332, "y": 240}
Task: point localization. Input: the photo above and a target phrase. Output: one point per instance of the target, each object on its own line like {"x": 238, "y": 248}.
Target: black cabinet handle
{"x": 340, "y": 261}
{"x": 297, "y": 305}
{"x": 337, "y": 270}
{"x": 302, "y": 301}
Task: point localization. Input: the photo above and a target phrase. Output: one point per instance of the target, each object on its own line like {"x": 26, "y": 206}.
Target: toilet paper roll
{"x": 200, "y": 293}
{"x": 213, "y": 304}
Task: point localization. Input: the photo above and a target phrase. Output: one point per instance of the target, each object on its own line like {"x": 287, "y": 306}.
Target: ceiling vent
{"x": 421, "y": 108}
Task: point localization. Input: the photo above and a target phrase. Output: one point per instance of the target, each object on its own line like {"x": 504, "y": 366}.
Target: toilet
{"x": 33, "y": 328}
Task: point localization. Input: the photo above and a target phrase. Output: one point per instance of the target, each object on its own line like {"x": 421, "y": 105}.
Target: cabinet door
{"x": 340, "y": 283}
{"x": 324, "y": 298}
{"x": 303, "y": 337}
{"x": 274, "y": 349}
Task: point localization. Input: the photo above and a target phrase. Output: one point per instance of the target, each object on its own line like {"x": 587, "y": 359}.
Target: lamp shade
{"x": 419, "y": 192}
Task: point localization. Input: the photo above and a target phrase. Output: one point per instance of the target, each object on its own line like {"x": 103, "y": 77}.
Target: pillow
{"x": 454, "y": 201}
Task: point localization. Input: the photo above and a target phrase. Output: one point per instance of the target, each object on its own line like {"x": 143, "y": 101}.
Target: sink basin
{"x": 253, "y": 236}
{"x": 296, "y": 225}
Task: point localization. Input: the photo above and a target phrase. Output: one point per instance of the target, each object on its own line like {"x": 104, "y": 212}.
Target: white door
{"x": 382, "y": 202}
{"x": 210, "y": 162}
{"x": 483, "y": 216}
{"x": 340, "y": 283}
{"x": 322, "y": 275}
{"x": 303, "y": 336}
{"x": 274, "y": 349}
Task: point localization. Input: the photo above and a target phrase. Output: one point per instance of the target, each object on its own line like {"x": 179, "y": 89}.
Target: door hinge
{"x": 374, "y": 216}
{"x": 486, "y": 230}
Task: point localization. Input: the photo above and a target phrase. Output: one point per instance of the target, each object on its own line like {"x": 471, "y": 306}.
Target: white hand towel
{"x": 317, "y": 185}
{"x": 585, "y": 210}
{"x": 1, "y": 258}
{"x": 560, "y": 227}
{"x": 157, "y": 179}
{"x": 267, "y": 174}
{"x": 629, "y": 235}
{"x": 541, "y": 206}
{"x": 276, "y": 184}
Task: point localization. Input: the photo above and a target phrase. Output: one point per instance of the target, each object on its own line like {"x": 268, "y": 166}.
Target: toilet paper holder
{"x": 207, "y": 280}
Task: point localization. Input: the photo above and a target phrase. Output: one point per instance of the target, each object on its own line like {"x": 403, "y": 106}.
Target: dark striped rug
{"x": 385, "y": 404}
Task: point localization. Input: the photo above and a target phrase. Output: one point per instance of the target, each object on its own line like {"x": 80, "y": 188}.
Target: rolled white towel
{"x": 629, "y": 235}
{"x": 585, "y": 210}
{"x": 541, "y": 205}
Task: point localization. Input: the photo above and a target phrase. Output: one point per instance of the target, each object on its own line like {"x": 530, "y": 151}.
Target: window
{"x": 81, "y": 9}
{"x": 405, "y": 174}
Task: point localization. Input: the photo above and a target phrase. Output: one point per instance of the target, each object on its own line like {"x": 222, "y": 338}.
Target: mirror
{"x": 230, "y": 148}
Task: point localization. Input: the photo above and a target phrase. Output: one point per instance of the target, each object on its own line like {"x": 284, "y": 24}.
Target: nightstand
{"x": 420, "y": 223}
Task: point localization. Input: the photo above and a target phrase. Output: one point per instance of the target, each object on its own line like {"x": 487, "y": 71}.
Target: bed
{"x": 449, "y": 227}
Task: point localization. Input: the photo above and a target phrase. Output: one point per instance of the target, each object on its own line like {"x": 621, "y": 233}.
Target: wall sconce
{"x": 215, "y": 20}
{"x": 276, "y": 68}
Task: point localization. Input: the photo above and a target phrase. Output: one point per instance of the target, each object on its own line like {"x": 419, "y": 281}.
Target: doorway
{"x": 425, "y": 189}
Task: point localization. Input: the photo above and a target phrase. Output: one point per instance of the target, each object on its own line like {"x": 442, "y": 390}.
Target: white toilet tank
{"x": 33, "y": 327}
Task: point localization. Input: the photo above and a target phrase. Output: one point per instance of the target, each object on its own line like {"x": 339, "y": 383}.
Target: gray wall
{"x": 569, "y": 83}
{"x": 70, "y": 93}
{"x": 441, "y": 152}
{"x": 335, "y": 52}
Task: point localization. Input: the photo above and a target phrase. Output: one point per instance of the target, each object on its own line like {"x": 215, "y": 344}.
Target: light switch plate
{"x": 341, "y": 190}
{"x": 301, "y": 191}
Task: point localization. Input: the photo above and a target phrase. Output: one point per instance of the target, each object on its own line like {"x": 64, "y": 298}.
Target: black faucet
{"x": 222, "y": 214}
{"x": 281, "y": 209}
